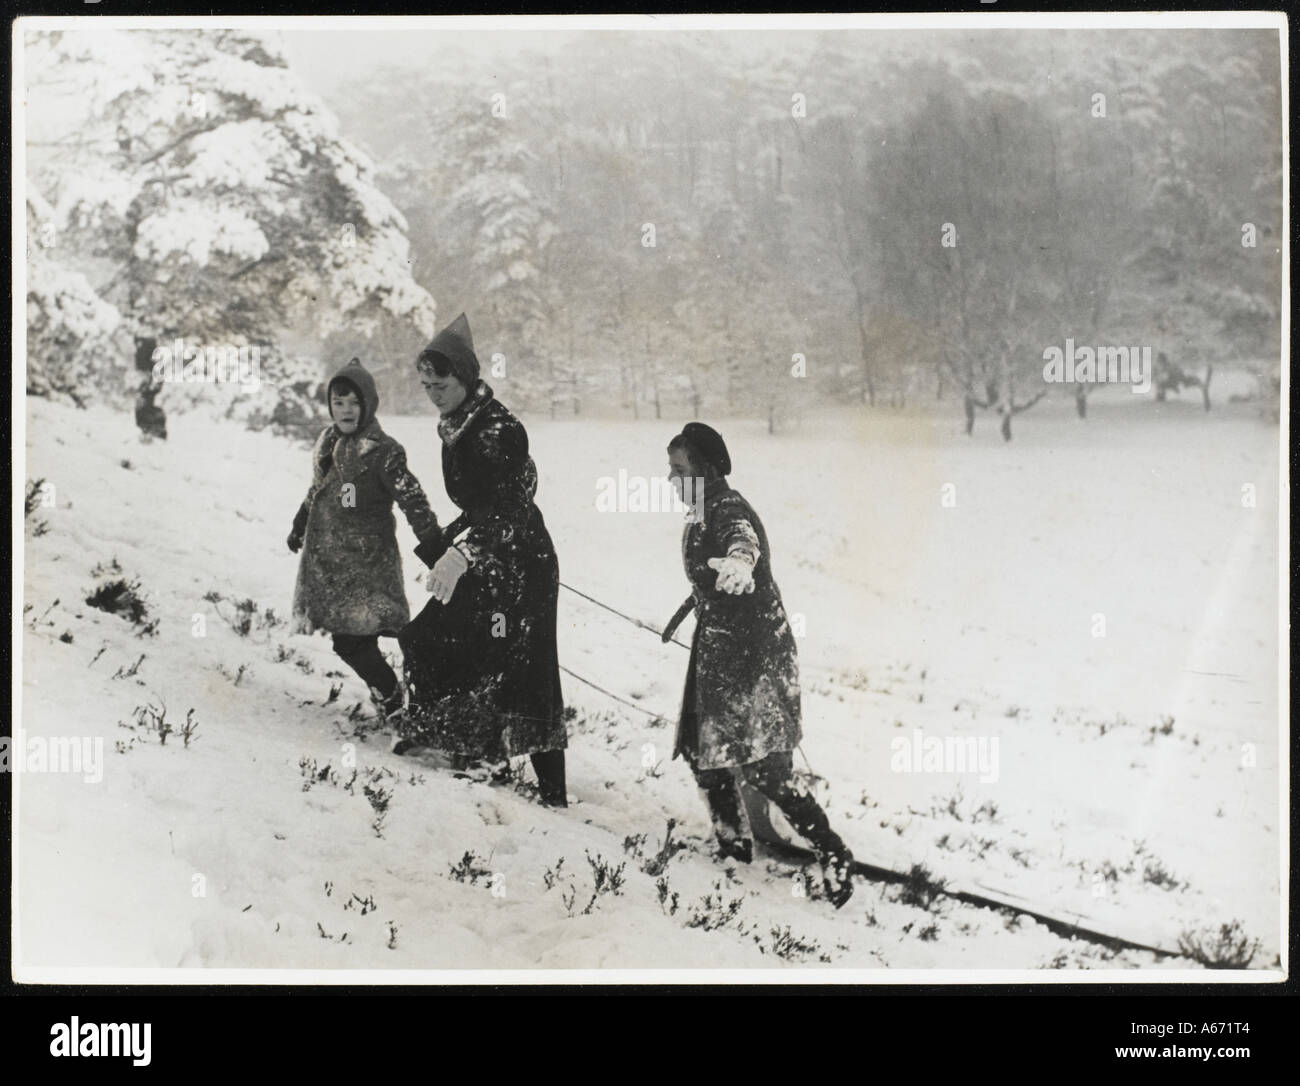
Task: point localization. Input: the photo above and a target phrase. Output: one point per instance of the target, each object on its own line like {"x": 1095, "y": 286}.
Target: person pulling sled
{"x": 740, "y": 717}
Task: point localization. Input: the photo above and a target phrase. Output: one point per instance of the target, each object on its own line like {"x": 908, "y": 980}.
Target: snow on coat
{"x": 741, "y": 701}
{"x": 350, "y": 572}
{"x": 483, "y": 669}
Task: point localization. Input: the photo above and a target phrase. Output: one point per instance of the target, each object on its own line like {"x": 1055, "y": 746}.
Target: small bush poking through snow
{"x": 244, "y": 616}
{"x": 668, "y": 897}
{"x": 189, "y": 730}
{"x": 379, "y": 799}
{"x": 605, "y": 879}
{"x": 314, "y": 774}
{"x": 470, "y": 868}
{"x": 33, "y": 496}
{"x": 658, "y": 863}
{"x": 551, "y": 875}
{"x": 363, "y": 904}
{"x": 31, "y": 501}
{"x": 920, "y": 888}
{"x": 714, "y": 911}
{"x": 1227, "y": 947}
{"x": 153, "y": 719}
{"x": 790, "y": 947}
{"x": 122, "y": 597}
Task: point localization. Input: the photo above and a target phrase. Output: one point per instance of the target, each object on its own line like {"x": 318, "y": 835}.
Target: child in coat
{"x": 350, "y": 574}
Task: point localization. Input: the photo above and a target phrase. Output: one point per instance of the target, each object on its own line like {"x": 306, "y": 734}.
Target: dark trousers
{"x": 773, "y": 776}
{"x": 361, "y": 653}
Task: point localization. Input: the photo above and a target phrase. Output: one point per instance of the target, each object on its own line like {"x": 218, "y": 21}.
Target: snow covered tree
{"x": 214, "y": 191}
{"x": 496, "y": 227}
{"x": 72, "y": 333}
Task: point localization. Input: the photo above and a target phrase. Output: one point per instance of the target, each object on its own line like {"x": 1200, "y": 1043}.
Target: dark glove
{"x": 299, "y": 531}
{"x": 430, "y": 550}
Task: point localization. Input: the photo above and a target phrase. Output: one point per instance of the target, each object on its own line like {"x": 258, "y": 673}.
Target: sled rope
{"x": 611, "y": 694}
{"x": 875, "y": 873}
{"x": 1063, "y": 928}
{"x": 654, "y": 629}
{"x": 628, "y": 618}
{"x": 658, "y": 633}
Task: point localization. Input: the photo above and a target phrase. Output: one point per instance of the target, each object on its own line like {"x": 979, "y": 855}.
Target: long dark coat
{"x": 482, "y": 669}
{"x": 350, "y": 571}
{"x": 742, "y": 684}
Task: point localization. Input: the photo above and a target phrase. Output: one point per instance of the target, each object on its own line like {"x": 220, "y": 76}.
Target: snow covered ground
{"x": 1137, "y": 773}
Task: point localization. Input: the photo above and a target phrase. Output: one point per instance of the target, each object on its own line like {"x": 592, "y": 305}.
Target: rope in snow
{"x": 611, "y": 694}
{"x": 658, "y": 633}
{"x": 628, "y": 618}
{"x": 1054, "y": 924}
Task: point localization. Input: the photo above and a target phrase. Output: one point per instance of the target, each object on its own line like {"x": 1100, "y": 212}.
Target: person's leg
{"x": 362, "y": 655}
{"x": 773, "y": 776}
{"x": 727, "y": 811}
{"x": 549, "y": 767}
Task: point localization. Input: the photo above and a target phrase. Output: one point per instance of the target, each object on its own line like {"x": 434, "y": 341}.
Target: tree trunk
{"x": 1081, "y": 402}
{"x": 1205, "y": 386}
{"x": 868, "y": 384}
{"x": 1006, "y": 425}
{"x": 969, "y": 406}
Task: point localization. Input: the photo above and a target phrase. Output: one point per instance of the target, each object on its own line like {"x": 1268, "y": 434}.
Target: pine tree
{"x": 217, "y": 194}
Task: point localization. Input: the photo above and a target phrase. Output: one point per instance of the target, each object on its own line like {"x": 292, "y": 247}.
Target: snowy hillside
{"x": 1137, "y": 773}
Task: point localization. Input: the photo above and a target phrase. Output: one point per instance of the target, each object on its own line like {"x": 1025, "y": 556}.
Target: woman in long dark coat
{"x": 740, "y": 716}
{"x": 481, "y": 661}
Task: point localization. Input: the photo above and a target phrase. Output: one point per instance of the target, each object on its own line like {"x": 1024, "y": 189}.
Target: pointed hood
{"x": 359, "y": 377}
{"x": 452, "y": 350}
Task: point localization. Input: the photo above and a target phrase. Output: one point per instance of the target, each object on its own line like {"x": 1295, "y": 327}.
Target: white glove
{"x": 446, "y": 573}
{"x": 735, "y": 574}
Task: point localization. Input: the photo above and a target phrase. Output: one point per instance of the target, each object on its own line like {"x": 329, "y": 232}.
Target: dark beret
{"x": 706, "y": 441}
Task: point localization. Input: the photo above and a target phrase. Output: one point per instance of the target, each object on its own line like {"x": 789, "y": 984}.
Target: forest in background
{"x": 681, "y": 223}
{"x": 798, "y": 209}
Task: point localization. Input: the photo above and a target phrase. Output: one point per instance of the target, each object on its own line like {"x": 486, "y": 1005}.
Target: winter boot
{"x": 735, "y": 848}
{"x": 837, "y": 877}
{"x": 392, "y": 712}
{"x": 550, "y": 769}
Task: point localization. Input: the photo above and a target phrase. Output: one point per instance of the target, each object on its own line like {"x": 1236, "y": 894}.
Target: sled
{"x": 769, "y": 826}
{"x": 782, "y": 843}
{"x": 779, "y": 840}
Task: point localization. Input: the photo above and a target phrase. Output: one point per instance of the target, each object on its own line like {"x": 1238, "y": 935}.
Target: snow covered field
{"x": 1136, "y": 778}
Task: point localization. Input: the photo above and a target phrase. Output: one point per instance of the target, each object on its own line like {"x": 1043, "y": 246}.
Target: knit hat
{"x": 451, "y": 351}
{"x": 707, "y": 443}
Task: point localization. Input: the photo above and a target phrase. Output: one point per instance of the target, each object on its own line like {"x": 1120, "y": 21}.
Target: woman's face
{"x": 447, "y": 393}
{"x": 680, "y": 469}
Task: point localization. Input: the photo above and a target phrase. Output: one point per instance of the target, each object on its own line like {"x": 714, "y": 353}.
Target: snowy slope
{"x": 974, "y": 620}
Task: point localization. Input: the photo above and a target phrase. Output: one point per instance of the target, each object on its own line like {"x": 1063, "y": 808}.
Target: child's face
{"x": 346, "y": 410}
